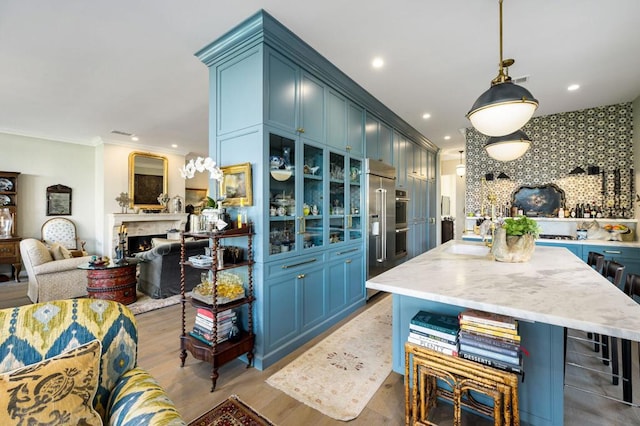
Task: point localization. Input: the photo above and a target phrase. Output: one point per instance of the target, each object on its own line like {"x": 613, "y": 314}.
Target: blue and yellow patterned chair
{"x": 126, "y": 394}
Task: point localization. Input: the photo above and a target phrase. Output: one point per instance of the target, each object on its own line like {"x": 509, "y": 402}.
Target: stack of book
{"x": 203, "y": 327}
{"x": 435, "y": 331}
{"x": 490, "y": 339}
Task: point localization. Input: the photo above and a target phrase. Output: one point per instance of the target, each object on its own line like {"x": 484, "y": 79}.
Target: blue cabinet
{"x": 400, "y": 148}
{"x": 379, "y": 139}
{"x": 295, "y": 100}
{"x": 336, "y": 124}
{"x": 355, "y": 130}
{"x": 345, "y": 285}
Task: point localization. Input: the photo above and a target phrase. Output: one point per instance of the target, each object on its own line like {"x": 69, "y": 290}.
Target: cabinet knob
{"x": 347, "y": 261}
{"x": 348, "y": 147}
{"x": 300, "y": 130}
{"x": 301, "y": 276}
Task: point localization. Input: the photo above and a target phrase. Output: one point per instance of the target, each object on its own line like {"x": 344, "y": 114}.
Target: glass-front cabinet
{"x": 354, "y": 218}
{"x": 302, "y": 217}
{"x": 282, "y": 194}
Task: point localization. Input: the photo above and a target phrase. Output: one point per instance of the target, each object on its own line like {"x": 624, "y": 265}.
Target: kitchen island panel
{"x": 540, "y": 394}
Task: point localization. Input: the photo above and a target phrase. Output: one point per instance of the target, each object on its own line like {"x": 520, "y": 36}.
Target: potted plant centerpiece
{"x": 514, "y": 241}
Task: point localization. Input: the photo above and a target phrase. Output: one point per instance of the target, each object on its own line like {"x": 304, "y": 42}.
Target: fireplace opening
{"x": 139, "y": 243}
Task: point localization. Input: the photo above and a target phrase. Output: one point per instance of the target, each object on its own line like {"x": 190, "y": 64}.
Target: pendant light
{"x": 461, "y": 168}
{"x": 509, "y": 147}
{"x": 505, "y": 107}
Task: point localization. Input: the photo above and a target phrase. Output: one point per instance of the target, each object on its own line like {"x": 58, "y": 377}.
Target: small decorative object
{"x": 123, "y": 201}
{"x": 200, "y": 164}
{"x": 97, "y": 261}
{"x": 163, "y": 199}
{"x": 234, "y": 331}
{"x": 6, "y": 223}
{"x": 122, "y": 239}
{"x": 514, "y": 241}
{"x": 177, "y": 204}
{"x": 286, "y": 154}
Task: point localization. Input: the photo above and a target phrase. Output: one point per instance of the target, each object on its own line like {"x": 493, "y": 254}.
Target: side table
{"x": 10, "y": 255}
{"x": 113, "y": 281}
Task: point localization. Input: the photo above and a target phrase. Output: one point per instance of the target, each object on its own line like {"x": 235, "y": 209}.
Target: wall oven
{"x": 402, "y": 224}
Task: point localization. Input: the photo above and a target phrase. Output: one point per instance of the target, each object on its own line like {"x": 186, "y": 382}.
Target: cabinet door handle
{"x": 347, "y": 261}
{"x": 349, "y": 222}
{"x": 301, "y": 276}
{"x": 612, "y": 251}
{"x": 347, "y": 251}
{"x": 348, "y": 147}
{"x": 298, "y": 264}
{"x": 303, "y": 225}
{"x": 300, "y": 130}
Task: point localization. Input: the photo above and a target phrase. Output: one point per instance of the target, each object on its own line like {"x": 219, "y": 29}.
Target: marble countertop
{"x": 555, "y": 287}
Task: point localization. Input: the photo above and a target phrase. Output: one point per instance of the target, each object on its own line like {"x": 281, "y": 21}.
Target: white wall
{"x": 96, "y": 175}
{"x": 43, "y": 163}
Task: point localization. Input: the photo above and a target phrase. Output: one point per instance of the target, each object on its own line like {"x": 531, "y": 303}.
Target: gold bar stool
{"x": 427, "y": 366}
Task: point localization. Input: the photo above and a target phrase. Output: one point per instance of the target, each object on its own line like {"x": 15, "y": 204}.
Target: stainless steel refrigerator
{"x": 381, "y": 217}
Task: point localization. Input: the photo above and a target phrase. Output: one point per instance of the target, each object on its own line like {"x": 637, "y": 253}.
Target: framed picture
{"x": 58, "y": 200}
{"x": 195, "y": 197}
{"x": 236, "y": 185}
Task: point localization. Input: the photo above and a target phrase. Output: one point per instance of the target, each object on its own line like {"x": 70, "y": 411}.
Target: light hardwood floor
{"x": 189, "y": 387}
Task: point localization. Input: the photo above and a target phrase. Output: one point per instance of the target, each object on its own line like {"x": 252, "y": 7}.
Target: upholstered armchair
{"x": 60, "y": 230}
{"x": 51, "y": 279}
{"x": 44, "y": 335}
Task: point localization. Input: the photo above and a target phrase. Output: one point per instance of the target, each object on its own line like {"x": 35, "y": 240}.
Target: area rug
{"x": 339, "y": 375}
{"x": 231, "y": 412}
{"x": 146, "y": 303}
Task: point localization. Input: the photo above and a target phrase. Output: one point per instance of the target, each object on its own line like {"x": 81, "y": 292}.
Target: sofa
{"x": 160, "y": 270}
{"x": 53, "y": 272}
{"x": 75, "y": 362}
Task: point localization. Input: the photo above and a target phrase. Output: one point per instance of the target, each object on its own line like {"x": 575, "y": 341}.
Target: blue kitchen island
{"x": 554, "y": 290}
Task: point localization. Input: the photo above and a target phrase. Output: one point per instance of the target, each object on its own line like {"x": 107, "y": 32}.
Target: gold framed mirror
{"x": 148, "y": 179}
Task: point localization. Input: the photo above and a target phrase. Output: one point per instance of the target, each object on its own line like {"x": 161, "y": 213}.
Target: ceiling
{"x": 75, "y": 70}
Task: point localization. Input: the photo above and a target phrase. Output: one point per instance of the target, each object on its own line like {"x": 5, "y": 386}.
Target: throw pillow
{"x": 59, "y": 252}
{"x": 58, "y": 390}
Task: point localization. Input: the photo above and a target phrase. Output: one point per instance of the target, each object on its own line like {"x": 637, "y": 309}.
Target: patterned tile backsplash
{"x": 560, "y": 142}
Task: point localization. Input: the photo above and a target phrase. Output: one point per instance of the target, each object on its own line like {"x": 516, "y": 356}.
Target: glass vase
{"x": 6, "y": 223}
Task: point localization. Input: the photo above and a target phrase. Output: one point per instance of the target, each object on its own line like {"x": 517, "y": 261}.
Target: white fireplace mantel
{"x": 142, "y": 224}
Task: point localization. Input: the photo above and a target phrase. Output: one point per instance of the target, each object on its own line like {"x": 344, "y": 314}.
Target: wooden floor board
{"x": 188, "y": 387}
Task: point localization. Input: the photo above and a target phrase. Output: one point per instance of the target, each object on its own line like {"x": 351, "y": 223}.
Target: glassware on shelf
{"x": 6, "y": 223}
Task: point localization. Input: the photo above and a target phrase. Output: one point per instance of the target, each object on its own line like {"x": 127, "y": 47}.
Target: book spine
{"x": 491, "y": 363}
{"x": 486, "y": 331}
{"x": 432, "y": 331}
{"x": 488, "y": 347}
{"x": 489, "y": 327}
{"x": 490, "y": 354}
{"x": 207, "y": 313}
{"x": 208, "y": 321}
{"x": 448, "y": 341}
{"x": 433, "y": 347}
{"x": 447, "y": 330}
{"x": 490, "y": 340}
{"x": 205, "y": 339}
{"x": 429, "y": 341}
{"x": 489, "y": 319}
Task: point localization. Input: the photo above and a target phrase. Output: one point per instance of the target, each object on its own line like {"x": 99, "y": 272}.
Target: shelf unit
{"x": 10, "y": 246}
{"x": 218, "y": 354}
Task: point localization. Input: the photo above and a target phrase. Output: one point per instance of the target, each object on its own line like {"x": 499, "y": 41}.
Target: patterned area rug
{"x": 231, "y": 412}
{"x": 340, "y": 374}
{"x": 146, "y": 303}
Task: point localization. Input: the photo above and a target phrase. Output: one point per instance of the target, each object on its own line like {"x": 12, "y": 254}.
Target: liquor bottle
{"x": 561, "y": 213}
{"x": 587, "y": 211}
{"x": 573, "y": 212}
{"x": 566, "y": 211}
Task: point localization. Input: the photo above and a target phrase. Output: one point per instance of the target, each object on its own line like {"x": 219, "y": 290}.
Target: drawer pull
{"x": 347, "y": 261}
{"x": 347, "y": 251}
{"x": 612, "y": 251}
{"x": 298, "y": 264}
{"x": 301, "y": 276}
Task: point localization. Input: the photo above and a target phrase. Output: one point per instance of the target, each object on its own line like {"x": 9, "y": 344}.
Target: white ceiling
{"x": 75, "y": 70}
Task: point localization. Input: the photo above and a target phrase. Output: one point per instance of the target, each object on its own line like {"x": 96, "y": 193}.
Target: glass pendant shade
{"x": 502, "y": 109}
{"x": 509, "y": 147}
{"x": 461, "y": 168}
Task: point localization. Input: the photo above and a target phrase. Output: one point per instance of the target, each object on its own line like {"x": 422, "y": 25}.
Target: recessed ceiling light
{"x": 173, "y": 145}
{"x": 446, "y": 138}
{"x": 377, "y": 62}
{"x": 573, "y": 87}
{"x": 135, "y": 138}
{"x": 426, "y": 115}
